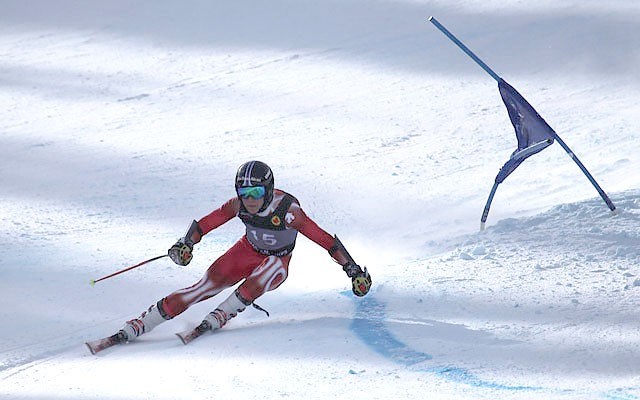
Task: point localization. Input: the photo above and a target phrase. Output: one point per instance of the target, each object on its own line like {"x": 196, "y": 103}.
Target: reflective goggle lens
{"x": 255, "y": 192}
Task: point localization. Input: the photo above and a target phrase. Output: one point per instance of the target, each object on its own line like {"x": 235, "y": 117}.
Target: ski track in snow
{"x": 370, "y": 325}
{"x": 596, "y": 237}
{"x": 373, "y": 324}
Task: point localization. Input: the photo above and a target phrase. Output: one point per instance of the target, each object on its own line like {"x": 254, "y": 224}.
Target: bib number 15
{"x": 266, "y": 238}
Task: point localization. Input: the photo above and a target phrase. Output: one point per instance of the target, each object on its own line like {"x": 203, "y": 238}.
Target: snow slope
{"x": 124, "y": 121}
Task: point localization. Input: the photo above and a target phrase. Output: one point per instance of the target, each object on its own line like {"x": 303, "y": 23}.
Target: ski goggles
{"x": 255, "y": 192}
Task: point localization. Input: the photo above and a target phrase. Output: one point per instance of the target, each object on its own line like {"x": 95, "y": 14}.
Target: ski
{"x": 97, "y": 346}
{"x": 189, "y": 335}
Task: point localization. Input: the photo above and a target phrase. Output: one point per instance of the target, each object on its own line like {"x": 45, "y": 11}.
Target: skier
{"x": 261, "y": 257}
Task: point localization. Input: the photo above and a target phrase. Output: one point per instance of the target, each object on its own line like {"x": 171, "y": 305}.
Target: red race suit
{"x": 261, "y": 256}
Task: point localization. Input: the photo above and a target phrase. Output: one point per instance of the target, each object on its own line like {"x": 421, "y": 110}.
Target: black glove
{"x": 360, "y": 280}
{"x": 181, "y": 252}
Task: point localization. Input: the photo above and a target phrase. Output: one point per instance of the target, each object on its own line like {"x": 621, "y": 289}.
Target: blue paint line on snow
{"x": 461, "y": 375}
{"x": 376, "y": 336}
{"x": 369, "y": 325}
{"x": 620, "y": 394}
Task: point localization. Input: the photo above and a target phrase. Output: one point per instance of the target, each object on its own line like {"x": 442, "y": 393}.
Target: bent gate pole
{"x": 495, "y": 76}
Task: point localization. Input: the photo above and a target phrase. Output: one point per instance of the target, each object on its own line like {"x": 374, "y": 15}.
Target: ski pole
{"x": 93, "y": 282}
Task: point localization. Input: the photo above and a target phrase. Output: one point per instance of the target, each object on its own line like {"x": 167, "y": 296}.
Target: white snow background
{"x": 123, "y": 121}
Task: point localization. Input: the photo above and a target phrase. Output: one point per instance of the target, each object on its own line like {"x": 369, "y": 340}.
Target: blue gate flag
{"x": 532, "y": 131}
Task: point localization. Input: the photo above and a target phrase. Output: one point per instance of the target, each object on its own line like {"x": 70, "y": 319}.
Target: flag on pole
{"x": 532, "y": 131}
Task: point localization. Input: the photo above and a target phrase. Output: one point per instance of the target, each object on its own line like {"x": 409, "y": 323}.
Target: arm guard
{"x": 338, "y": 251}
{"x": 360, "y": 280}
{"x": 194, "y": 234}
{"x": 181, "y": 251}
